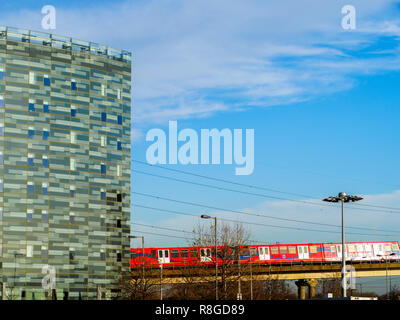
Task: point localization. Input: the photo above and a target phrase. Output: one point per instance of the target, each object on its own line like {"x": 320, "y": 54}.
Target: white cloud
{"x": 192, "y": 57}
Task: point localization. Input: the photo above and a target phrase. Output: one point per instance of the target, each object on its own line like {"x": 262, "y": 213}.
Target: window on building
{"x": 31, "y": 188}
{"x": 73, "y": 84}
{"x": 71, "y": 254}
{"x": 2, "y": 74}
{"x": 72, "y": 191}
{"x": 45, "y": 134}
{"x": 103, "y": 141}
{"x": 46, "y": 107}
{"x": 29, "y": 251}
{"x": 102, "y": 254}
{"x": 73, "y": 136}
{"x": 73, "y": 111}
{"x": 31, "y": 132}
{"x": 45, "y": 161}
{"x": 102, "y": 221}
{"x": 119, "y": 197}
{"x": 119, "y": 145}
{"x": 44, "y": 188}
{"x": 31, "y": 160}
{"x": 119, "y": 170}
{"x": 1, "y": 157}
{"x": 102, "y": 194}
{"x": 103, "y": 168}
{"x": 119, "y": 94}
{"x": 72, "y": 218}
{"x": 1, "y": 101}
{"x": 29, "y": 215}
{"x": 45, "y": 216}
{"x": 46, "y": 80}
{"x": 72, "y": 164}
{"x": 118, "y": 256}
{"x": 1, "y": 129}
{"x": 119, "y": 117}
{"x": 32, "y": 78}
{"x": 103, "y": 90}
{"x": 118, "y": 223}
{"x": 103, "y": 116}
{"x": 1, "y": 185}
{"x": 31, "y": 105}
{"x": 1, "y": 213}
{"x": 45, "y": 252}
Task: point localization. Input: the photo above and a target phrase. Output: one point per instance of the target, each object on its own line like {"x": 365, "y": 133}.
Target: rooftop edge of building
{"x": 62, "y": 42}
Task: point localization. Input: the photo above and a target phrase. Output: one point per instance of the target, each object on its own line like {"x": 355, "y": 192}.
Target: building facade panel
{"x": 65, "y": 123}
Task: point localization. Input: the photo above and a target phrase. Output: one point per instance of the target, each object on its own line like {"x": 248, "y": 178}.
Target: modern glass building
{"x": 65, "y": 124}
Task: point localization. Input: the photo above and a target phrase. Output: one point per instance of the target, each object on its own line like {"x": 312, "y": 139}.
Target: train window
{"x": 166, "y": 254}
{"x": 368, "y": 247}
{"x": 388, "y": 247}
{"x": 274, "y": 250}
{"x": 184, "y": 253}
{"x": 253, "y": 251}
{"x": 305, "y": 250}
{"x": 339, "y": 249}
{"x": 261, "y": 250}
{"x": 244, "y": 251}
{"x": 333, "y": 249}
{"x": 153, "y": 254}
{"x": 395, "y": 247}
{"x": 283, "y": 250}
{"x": 266, "y": 250}
{"x": 194, "y": 253}
{"x": 174, "y": 253}
{"x": 380, "y": 247}
{"x": 359, "y": 248}
{"x": 133, "y": 255}
{"x": 313, "y": 249}
{"x": 292, "y": 250}
{"x": 351, "y": 248}
{"x": 300, "y": 249}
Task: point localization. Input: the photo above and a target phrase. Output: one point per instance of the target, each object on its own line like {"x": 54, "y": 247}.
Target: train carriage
{"x": 266, "y": 254}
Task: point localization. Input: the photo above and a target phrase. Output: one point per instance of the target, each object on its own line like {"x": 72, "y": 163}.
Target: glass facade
{"x": 65, "y": 149}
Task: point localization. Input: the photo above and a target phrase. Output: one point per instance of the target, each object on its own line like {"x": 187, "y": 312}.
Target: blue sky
{"x": 323, "y": 101}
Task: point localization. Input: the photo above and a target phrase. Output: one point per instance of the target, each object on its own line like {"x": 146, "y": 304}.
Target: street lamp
{"x": 137, "y": 237}
{"x": 343, "y": 197}
{"x": 204, "y": 216}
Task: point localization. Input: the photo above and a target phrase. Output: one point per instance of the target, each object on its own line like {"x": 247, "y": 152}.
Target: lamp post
{"x": 343, "y": 197}
{"x": 137, "y": 237}
{"x": 204, "y": 216}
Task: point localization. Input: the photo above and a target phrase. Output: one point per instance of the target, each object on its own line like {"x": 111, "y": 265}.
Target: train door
{"x": 263, "y": 253}
{"x": 378, "y": 249}
{"x": 303, "y": 252}
{"x": 205, "y": 255}
{"x": 339, "y": 251}
{"x": 163, "y": 256}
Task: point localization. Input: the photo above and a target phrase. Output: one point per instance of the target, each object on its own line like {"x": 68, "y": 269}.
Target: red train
{"x": 270, "y": 254}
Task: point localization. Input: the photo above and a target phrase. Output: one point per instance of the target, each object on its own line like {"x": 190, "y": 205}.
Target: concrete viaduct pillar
{"x": 301, "y": 288}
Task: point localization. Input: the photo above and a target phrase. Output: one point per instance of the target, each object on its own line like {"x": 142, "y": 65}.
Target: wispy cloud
{"x": 193, "y": 58}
